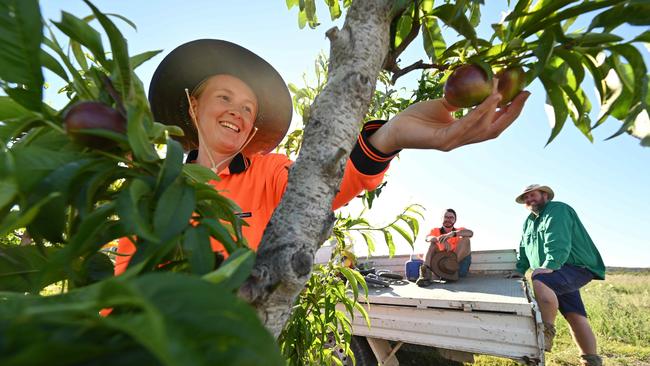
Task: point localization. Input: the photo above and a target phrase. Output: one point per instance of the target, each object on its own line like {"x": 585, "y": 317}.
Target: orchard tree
{"x": 375, "y": 33}
{"x": 77, "y": 178}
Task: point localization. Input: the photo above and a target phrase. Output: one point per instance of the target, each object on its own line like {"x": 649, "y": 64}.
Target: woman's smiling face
{"x": 226, "y": 109}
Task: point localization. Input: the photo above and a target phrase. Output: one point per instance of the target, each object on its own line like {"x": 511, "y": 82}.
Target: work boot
{"x": 591, "y": 360}
{"x": 549, "y": 334}
{"x": 425, "y": 278}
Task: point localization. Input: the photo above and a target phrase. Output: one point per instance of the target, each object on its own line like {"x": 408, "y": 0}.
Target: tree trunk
{"x": 304, "y": 218}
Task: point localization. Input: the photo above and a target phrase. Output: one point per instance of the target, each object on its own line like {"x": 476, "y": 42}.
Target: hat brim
{"x": 437, "y": 258}
{"x": 193, "y": 62}
{"x": 547, "y": 189}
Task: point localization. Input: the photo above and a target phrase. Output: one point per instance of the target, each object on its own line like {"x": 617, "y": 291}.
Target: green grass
{"x": 619, "y": 313}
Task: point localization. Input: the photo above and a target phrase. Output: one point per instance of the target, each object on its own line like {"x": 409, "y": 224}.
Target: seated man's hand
{"x": 446, "y": 244}
{"x": 431, "y": 239}
{"x": 443, "y": 240}
{"x": 514, "y": 274}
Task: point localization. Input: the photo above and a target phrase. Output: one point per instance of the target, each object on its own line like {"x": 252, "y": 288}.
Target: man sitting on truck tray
{"x": 557, "y": 247}
{"x": 447, "y": 238}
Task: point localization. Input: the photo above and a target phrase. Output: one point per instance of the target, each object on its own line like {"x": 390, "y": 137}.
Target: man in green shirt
{"x": 557, "y": 247}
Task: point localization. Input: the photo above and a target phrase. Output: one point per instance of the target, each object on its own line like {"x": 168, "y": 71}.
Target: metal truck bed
{"x": 484, "y": 313}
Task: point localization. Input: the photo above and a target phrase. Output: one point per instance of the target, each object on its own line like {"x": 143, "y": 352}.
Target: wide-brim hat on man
{"x": 445, "y": 265}
{"x": 192, "y": 63}
{"x": 535, "y": 187}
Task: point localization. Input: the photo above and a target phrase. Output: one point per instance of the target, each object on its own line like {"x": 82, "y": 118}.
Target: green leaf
{"x": 53, "y": 65}
{"x": 97, "y": 267}
{"x": 10, "y": 109}
{"x": 388, "y": 237}
{"x": 33, "y": 163}
{"x": 141, "y": 58}
{"x": 172, "y": 165}
{"x": 574, "y": 60}
{"x": 544, "y": 51}
{"x": 291, "y": 3}
{"x": 529, "y": 17}
{"x": 196, "y": 243}
{"x": 158, "y": 319}
{"x": 352, "y": 279}
{"x": 434, "y": 43}
{"x": 413, "y": 223}
{"x": 79, "y": 31}
{"x": 404, "y": 25}
{"x": 457, "y": 20}
{"x": 643, "y": 37}
{"x": 635, "y": 59}
{"x": 138, "y": 115}
{"x": 51, "y": 218}
{"x": 403, "y": 233}
{"x": 370, "y": 241}
{"x": 79, "y": 55}
{"x": 221, "y": 234}
{"x": 20, "y": 43}
{"x": 593, "y": 39}
{"x": 119, "y": 50}
{"x": 174, "y": 210}
{"x": 19, "y": 219}
{"x": 128, "y": 209}
{"x": 579, "y": 109}
{"x": 335, "y": 9}
{"x": 475, "y": 14}
{"x": 199, "y": 173}
{"x": 86, "y": 238}
{"x": 633, "y": 14}
{"x": 234, "y": 271}
{"x": 21, "y": 268}
{"x": 597, "y": 75}
{"x": 8, "y": 192}
{"x": 520, "y": 10}
{"x": 555, "y": 102}
{"x": 629, "y": 121}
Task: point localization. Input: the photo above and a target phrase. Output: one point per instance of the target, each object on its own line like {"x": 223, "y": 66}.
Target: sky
{"x": 606, "y": 182}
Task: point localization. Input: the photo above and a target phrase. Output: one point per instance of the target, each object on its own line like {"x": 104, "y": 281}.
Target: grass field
{"x": 619, "y": 312}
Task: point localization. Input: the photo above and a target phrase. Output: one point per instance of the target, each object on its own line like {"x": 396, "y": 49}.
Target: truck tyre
{"x": 362, "y": 352}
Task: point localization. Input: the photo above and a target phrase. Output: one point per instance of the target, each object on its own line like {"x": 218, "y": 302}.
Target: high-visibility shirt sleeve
{"x": 365, "y": 167}
{"x": 125, "y": 249}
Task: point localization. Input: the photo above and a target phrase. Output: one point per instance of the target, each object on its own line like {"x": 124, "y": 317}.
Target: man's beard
{"x": 537, "y": 208}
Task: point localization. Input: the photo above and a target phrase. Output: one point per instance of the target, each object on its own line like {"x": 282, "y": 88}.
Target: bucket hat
{"x": 535, "y": 187}
{"x": 190, "y": 64}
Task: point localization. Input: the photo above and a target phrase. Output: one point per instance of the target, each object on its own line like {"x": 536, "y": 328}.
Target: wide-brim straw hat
{"x": 192, "y": 63}
{"x": 535, "y": 187}
{"x": 445, "y": 265}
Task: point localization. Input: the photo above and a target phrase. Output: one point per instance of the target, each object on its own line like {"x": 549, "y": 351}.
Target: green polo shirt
{"x": 556, "y": 237}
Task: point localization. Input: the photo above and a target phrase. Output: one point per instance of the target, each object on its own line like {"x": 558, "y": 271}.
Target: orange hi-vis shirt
{"x": 257, "y": 184}
{"x": 453, "y": 242}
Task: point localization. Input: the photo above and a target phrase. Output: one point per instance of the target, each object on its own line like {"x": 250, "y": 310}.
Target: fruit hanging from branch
{"x": 512, "y": 80}
{"x": 84, "y": 118}
{"x": 467, "y": 86}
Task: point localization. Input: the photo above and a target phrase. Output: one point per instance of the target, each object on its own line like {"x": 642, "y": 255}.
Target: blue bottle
{"x": 412, "y": 268}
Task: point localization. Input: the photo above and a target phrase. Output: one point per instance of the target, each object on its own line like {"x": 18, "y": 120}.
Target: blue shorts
{"x": 566, "y": 283}
{"x": 463, "y": 266}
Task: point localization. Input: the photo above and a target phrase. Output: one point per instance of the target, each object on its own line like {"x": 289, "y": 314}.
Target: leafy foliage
{"x": 73, "y": 199}
{"x": 538, "y": 36}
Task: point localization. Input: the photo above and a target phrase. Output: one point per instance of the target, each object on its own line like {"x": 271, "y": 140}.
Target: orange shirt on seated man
{"x": 449, "y": 238}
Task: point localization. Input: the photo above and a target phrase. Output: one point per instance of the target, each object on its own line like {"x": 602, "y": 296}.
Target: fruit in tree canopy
{"x": 467, "y": 86}
{"x": 93, "y": 115}
{"x": 511, "y": 81}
